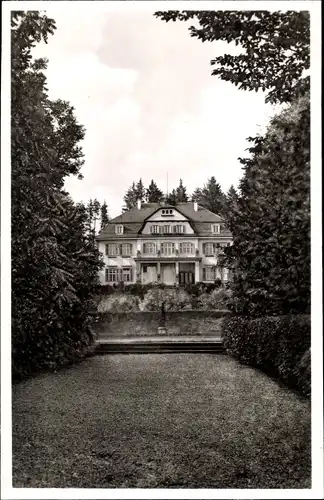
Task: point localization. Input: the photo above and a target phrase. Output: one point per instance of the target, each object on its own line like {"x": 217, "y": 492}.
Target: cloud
{"x": 144, "y": 92}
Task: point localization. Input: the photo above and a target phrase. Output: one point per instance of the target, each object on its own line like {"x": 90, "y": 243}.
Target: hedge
{"x": 278, "y": 345}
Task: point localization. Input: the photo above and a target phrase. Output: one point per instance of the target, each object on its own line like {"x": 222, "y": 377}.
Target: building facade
{"x": 155, "y": 242}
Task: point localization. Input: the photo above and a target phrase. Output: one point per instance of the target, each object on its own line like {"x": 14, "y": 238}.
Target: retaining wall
{"x": 146, "y": 323}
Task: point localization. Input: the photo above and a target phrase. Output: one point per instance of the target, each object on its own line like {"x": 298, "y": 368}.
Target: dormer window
{"x": 215, "y": 228}
{"x": 167, "y": 211}
{"x": 119, "y": 229}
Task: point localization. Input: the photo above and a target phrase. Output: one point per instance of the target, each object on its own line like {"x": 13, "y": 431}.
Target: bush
{"x": 199, "y": 288}
{"x": 278, "y": 345}
{"x": 174, "y": 300}
{"x": 216, "y": 299}
{"x": 119, "y": 304}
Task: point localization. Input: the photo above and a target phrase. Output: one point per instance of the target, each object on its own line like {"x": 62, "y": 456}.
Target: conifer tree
{"x": 104, "y": 215}
{"x": 153, "y": 193}
{"x": 210, "y": 196}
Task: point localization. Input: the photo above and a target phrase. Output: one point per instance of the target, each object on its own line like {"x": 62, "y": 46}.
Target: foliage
{"x": 270, "y": 221}
{"x": 174, "y": 300}
{"x": 216, "y": 299}
{"x": 230, "y": 206}
{"x": 279, "y": 345}
{"x": 178, "y": 195}
{"x": 134, "y": 193}
{"x": 119, "y": 304}
{"x": 104, "y": 215}
{"x": 210, "y": 196}
{"x": 153, "y": 193}
{"x": 199, "y": 288}
{"x": 54, "y": 268}
{"x": 274, "y": 47}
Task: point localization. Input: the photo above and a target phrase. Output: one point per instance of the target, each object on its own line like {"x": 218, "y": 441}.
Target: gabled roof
{"x": 133, "y": 219}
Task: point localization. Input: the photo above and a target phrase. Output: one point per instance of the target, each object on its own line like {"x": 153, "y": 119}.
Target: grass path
{"x": 159, "y": 421}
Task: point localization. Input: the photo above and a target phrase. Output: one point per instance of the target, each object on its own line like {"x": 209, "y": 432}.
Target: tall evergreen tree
{"x": 231, "y": 206}
{"x": 153, "y": 193}
{"x": 181, "y": 193}
{"x": 171, "y": 198}
{"x": 104, "y": 215}
{"x": 270, "y": 220}
{"x": 196, "y": 195}
{"x": 54, "y": 269}
{"x": 96, "y": 214}
{"x": 140, "y": 191}
{"x": 210, "y": 196}
{"x": 135, "y": 192}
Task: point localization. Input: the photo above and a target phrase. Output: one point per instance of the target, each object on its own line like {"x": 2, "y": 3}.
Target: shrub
{"x": 216, "y": 299}
{"x": 119, "y": 304}
{"x": 199, "y": 288}
{"x": 174, "y": 299}
{"x": 279, "y": 345}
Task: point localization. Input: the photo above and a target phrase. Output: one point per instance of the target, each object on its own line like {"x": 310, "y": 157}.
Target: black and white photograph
{"x": 161, "y": 252}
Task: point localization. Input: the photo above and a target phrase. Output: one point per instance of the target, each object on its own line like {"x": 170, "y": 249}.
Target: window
{"x": 215, "y": 228}
{"x": 127, "y": 274}
{"x": 209, "y": 273}
{"x": 167, "y": 211}
{"x": 186, "y": 248}
{"x": 119, "y": 229}
{"x": 167, "y": 248}
{"x": 209, "y": 249}
{"x": 166, "y": 229}
{"x": 112, "y": 250}
{"x": 115, "y": 274}
{"x": 112, "y": 274}
{"x": 149, "y": 248}
{"x": 126, "y": 249}
{"x": 178, "y": 229}
{"x": 154, "y": 229}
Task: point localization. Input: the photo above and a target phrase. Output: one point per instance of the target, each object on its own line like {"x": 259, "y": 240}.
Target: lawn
{"x": 159, "y": 421}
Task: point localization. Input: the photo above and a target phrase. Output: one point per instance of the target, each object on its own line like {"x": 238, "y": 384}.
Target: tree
{"x": 231, "y": 206}
{"x": 270, "y": 220}
{"x": 54, "y": 267}
{"x": 153, "y": 193}
{"x": 171, "y": 199}
{"x": 134, "y": 193}
{"x": 140, "y": 191}
{"x": 181, "y": 193}
{"x": 104, "y": 215}
{"x": 210, "y": 196}
{"x": 96, "y": 214}
{"x": 275, "y": 48}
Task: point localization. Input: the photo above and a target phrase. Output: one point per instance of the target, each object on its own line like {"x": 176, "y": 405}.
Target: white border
{"x": 7, "y": 492}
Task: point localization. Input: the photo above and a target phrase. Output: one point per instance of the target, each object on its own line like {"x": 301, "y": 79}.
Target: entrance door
{"x": 185, "y": 278}
{"x": 168, "y": 274}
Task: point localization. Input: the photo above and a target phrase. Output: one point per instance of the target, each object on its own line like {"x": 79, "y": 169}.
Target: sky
{"x": 151, "y": 109}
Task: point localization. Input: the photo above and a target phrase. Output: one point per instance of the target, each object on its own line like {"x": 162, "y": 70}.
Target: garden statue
{"x": 162, "y": 328}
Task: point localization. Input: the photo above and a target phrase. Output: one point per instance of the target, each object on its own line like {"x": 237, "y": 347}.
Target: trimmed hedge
{"x": 278, "y": 345}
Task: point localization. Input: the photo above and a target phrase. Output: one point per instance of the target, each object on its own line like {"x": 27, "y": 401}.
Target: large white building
{"x": 155, "y": 242}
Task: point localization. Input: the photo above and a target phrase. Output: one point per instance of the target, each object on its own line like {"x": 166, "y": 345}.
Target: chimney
{"x": 139, "y": 204}
{"x": 195, "y": 206}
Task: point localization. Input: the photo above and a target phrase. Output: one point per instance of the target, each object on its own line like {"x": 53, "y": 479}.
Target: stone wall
{"x": 147, "y": 323}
